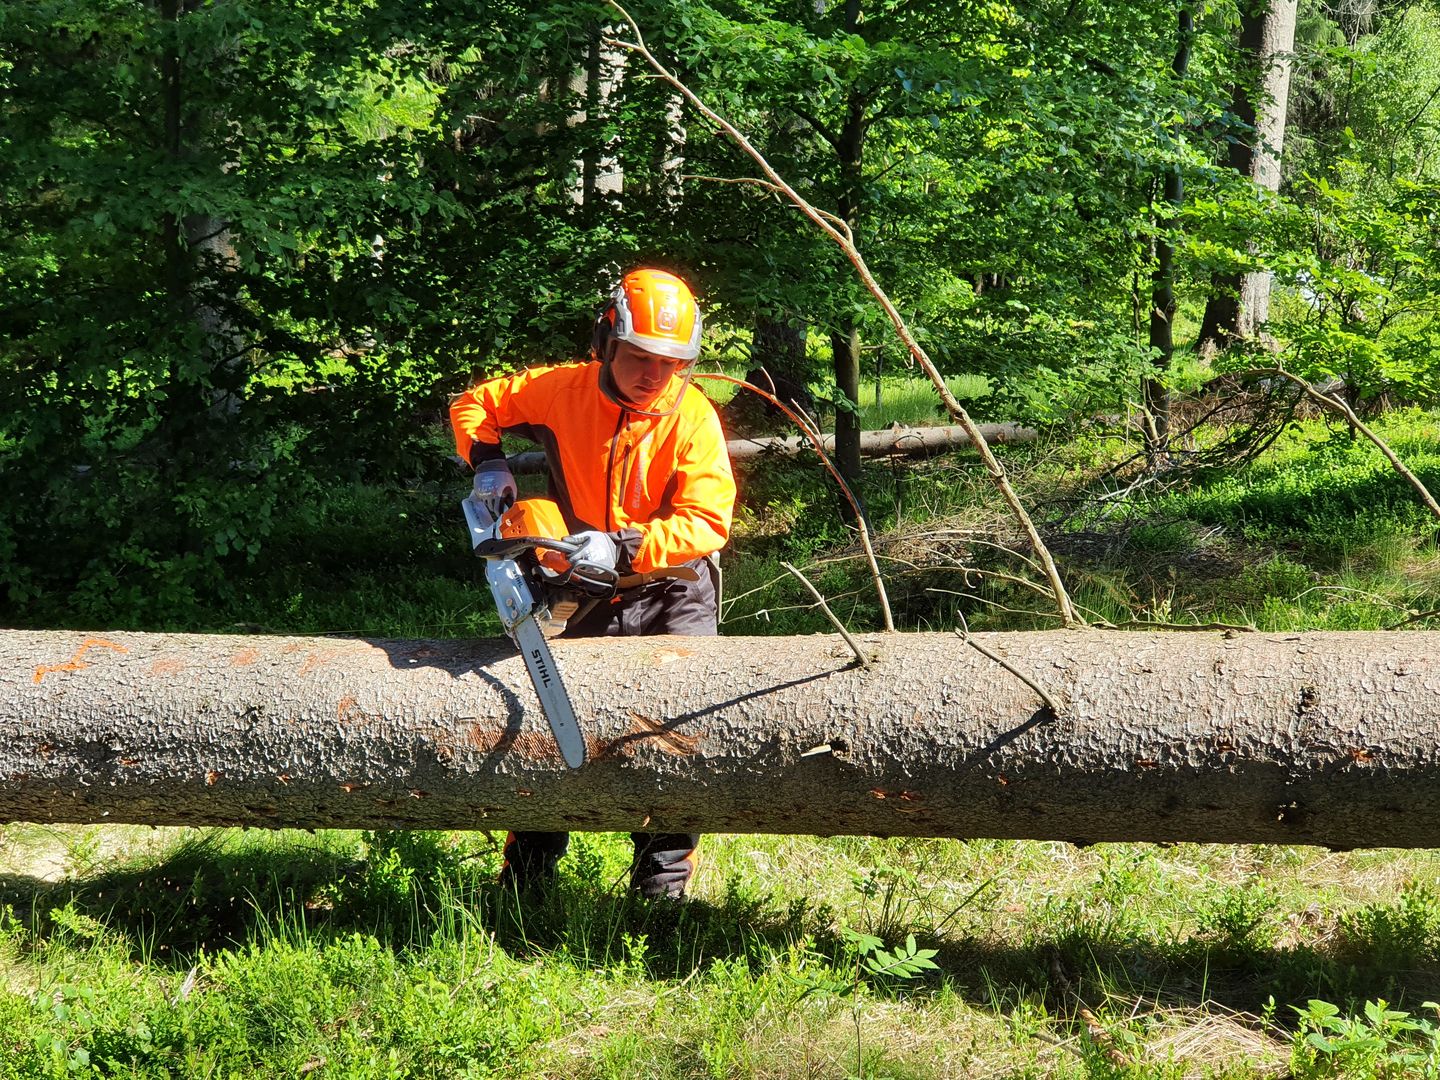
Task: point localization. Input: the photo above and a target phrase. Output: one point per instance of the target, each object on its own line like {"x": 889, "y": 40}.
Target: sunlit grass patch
{"x": 405, "y": 957}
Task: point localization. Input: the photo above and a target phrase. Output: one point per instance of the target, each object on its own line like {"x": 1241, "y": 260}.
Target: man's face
{"x": 641, "y": 376}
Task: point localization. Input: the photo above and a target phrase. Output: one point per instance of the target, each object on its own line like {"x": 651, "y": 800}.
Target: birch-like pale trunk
{"x": 1325, "y": 738}
{"x": 1241, "y": 303}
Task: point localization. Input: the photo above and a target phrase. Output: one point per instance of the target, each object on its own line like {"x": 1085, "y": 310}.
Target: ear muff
{"x": 611, "y": 326}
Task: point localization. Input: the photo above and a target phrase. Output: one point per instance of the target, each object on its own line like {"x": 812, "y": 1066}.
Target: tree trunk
{"x": 1271, "y": 738}
{"x": 1162, "y": 299}
{"x": 779, "y": 347}
{"x": 907, "y": 442}
{"x": 672, "y": 163}
{"x": 1240, "y": 303}
{"x": 199, "y": 259}
{"x": 850, "y": 148}
{"x": 601, "y": 179}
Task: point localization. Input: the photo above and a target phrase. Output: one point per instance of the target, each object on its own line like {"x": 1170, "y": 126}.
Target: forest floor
{"x": 132, "y": 952}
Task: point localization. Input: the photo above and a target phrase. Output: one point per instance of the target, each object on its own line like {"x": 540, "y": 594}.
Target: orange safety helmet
{"x": 653, "y": 310}
{"x": 538, "y": 517}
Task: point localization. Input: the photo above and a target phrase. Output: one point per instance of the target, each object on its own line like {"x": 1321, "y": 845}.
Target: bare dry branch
{"x": 807, "y": 426}
{"x": 1103, "y": 1040}
{"x": 964, "y": 635}
{"x": 860, "y": 657}
{"x": 841, "y": 235}
{"x": 1419, "y": 616}
{"x": 1338, "y": 404}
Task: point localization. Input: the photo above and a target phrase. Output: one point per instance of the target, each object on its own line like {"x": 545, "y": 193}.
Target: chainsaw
{"x": 539, "y": 587}
{"x": 523, "y": 598}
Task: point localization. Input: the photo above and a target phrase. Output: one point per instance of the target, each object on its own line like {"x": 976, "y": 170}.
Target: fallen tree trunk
{"x": 893, "y": 441}
{"x": 1306, "y": 738}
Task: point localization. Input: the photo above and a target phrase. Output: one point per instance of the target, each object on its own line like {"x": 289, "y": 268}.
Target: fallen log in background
{"x": 895, "y": 441}
{"x": 1299, "y": 738}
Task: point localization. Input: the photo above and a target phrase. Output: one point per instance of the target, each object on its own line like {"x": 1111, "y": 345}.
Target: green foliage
{"x": 1367, "y": 285}
{"x": 888, "y": 966}
{"x": 1384, "y": 1043}
{"x": 1405, "y": 929}
{"x": 248, "y": 249}
{"x": 1242, "y": 918}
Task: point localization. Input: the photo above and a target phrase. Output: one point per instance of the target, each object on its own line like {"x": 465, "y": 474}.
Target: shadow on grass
{"x": 207, "y": 893}
{"x": 411, "y": 891}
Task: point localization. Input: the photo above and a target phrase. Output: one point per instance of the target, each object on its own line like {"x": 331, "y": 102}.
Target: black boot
{"x": 663, "y": 863}
{"x": 530, "y": 859}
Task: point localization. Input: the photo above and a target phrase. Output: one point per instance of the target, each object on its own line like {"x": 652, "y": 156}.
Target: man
{"x": 639, "y": 469}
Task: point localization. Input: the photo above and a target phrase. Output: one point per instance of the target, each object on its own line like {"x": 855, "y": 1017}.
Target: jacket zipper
{"x": 610, "y": 474}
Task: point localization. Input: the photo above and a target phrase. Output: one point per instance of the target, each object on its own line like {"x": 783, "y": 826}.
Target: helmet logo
{"x": 667, "y": 318}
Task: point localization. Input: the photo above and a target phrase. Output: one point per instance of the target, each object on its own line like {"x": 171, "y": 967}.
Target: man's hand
{"x": 598, "y": 554}
{"x": 494, "y": 486}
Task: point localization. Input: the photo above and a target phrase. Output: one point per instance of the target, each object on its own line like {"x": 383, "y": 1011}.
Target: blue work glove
{"x": 494, "y": 486}
{"x": 598, "y": 555}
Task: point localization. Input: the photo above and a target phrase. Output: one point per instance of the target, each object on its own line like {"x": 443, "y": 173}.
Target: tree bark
{"x": 888, "y": 441}
{"x": 200, "y": 256}
{"x": 1324, "y": 738}
{"x": 672, "y": 162}
{"x": 603, "y": 176}
{"x": 779, "y": 347}
{"x": 850, "y": 208}
{"x": 1163, "y": 305}
{"x": 1240, "y": 303}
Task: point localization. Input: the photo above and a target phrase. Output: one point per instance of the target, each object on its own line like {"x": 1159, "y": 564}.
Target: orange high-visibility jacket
{"x": 666, "y": 477}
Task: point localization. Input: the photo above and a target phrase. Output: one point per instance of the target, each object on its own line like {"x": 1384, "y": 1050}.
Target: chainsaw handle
{"x": 584, "y": 577}
{"x": 507, "y": 547}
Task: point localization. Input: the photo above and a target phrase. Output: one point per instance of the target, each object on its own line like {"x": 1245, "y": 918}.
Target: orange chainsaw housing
{"x": 537, "y": 517}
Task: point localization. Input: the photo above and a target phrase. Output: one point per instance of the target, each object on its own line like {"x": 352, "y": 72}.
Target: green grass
{"x": 1321, "y": 533}
{"x": 908, "y": 400}
{"x": 360, "y": 955}
{"x": 911, "y": 402}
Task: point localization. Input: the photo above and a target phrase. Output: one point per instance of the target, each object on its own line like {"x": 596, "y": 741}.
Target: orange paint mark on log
{"x": 75, "y": 663}
{"x": 488, "y": 739}
{"x": 348, "y": 710}
{"x": 169, "y": 666}
{"x": 536, "y": 747}
{"x": 669, "y": 655}
{"x": 909, "y": 797}
{"x": 319, "y": 659}
{"x": 212, "y": 778}
{"x": 483, "y": 738}
{"x": 245, "y": 657}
